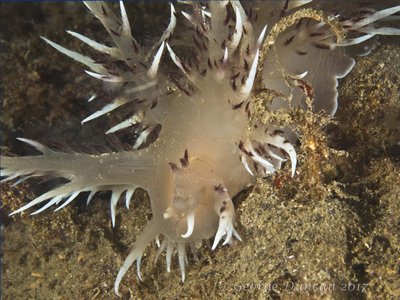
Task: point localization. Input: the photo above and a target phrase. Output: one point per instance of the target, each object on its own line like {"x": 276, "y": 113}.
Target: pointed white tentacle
{"x": 190, "y": 224}
{"x": 95, "y": 45}
{"x": 17, "y": 174}
{"x": 238, "y": 30}
{"x": 77, "y": 56}
{"x": 181, "y": 259}
{"x": 138, "y": 261}
{"x": 280, "y": 142}
{"x": 90, "y": 196}
{"x": 177, "y": 61}
{"x": 355, "y": 41}
{"x": 246, "y": 164}
{"x": 126, "y": 28}
{"x": 128, "y": 197}
{"x": 171, "y": 25}
{"x": 261, "y": 37}
{"x": 36, "y": 145}
{"x": 142, "y": 137}
{"x": 380, "y": 30}
{"x": 48, "y": 204}
{"x": 106, "y": 109}
{"x": 148, "y": 234}
{"x": 65, "y": 189}
{"x": 168, "y": 257}
{"x": 116, "y": 193}
{"x": 226, "y": 211}
{"x": 375, "y": 17}
{"x": 152, "y": 72}
{"x": 161, "y": 249}
{"x": 247, "y": 87}
{"x": 189, "y": 18}
{"x": 108, "y": 77}
{"x": 135, "y": 119}
{"x": 119, "y": 126}
{"x": 157, "y": 241}
{"x": 94, "y": 96}
{"x": 69, "y": 200}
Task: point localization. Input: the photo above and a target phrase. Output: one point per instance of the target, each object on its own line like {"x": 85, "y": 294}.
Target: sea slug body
{"x": 198, "y": 96}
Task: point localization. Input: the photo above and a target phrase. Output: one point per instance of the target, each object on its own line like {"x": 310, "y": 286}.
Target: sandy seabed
{"x": 334, "y": 238}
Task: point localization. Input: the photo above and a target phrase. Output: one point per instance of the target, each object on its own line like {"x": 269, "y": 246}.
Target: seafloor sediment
{"x": 331, "y": 232}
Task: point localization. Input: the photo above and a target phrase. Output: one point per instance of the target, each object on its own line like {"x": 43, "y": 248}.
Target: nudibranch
{"x": 195, "y": 91}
